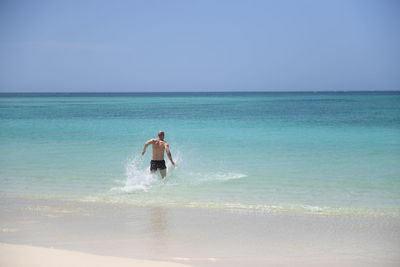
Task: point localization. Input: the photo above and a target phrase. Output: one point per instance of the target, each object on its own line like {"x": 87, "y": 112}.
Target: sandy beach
{"x": 25, "y": 256}
{"x": 72, "y": 232}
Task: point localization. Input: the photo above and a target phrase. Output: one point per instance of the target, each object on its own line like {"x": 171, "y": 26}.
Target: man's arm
{"x": 169, "y": 153}
{"x": 146, "y": 145}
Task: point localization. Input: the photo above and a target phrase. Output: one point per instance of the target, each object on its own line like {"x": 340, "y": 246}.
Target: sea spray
{"x": 137, "y": 177}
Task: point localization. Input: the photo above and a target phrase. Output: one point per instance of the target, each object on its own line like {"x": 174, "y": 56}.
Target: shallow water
{"x": 309, "y": 152}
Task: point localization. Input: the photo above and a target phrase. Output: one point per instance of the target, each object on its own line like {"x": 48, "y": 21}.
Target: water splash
{"x": 138, "y": 178}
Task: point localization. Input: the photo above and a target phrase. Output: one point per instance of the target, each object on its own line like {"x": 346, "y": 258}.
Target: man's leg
{"x": 163, "y": 173}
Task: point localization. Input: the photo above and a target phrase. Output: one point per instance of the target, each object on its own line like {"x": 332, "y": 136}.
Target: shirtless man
{"x": 159, "y": 146}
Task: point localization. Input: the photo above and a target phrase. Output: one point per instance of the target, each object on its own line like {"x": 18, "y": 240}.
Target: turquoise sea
{"x": 312, "y": 152}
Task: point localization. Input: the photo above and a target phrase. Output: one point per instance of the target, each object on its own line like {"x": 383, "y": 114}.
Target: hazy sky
{"x": 202, "y": 45}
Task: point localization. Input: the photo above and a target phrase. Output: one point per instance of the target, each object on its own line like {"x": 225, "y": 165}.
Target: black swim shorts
{"x": 157, "y": 164}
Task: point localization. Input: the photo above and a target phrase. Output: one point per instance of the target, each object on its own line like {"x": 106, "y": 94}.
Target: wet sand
{"x": 200, "y": 237}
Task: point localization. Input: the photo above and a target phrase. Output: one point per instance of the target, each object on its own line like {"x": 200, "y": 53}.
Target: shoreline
{"x": 279, "y": 209}
{"x": 201, "y": 237}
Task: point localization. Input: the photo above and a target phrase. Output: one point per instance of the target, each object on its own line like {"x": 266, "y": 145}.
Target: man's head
{"x": 161, "y": 135}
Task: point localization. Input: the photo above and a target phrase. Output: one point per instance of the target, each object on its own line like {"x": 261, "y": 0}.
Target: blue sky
{"x": 120, "y": 46}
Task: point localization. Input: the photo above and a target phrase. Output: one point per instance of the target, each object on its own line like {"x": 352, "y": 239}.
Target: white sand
{"x": 26, "y": 256}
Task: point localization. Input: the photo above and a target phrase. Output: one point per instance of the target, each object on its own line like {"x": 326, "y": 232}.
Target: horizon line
{"x": 233, "y": 91}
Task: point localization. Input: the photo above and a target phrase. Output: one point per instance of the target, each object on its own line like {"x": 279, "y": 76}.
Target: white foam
{"x": 228, "y": 176}
{"x": 201, "y": 177}
{"x": 137, "y": 177}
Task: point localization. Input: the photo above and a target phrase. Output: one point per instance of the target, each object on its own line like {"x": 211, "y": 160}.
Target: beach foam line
{"x": 29, "y": 256}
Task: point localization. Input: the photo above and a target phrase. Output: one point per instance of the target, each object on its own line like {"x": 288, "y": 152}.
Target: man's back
{"x": 158, "y": 149}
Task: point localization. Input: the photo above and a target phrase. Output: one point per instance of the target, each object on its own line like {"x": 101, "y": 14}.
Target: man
{"x": 159, "y": 146}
